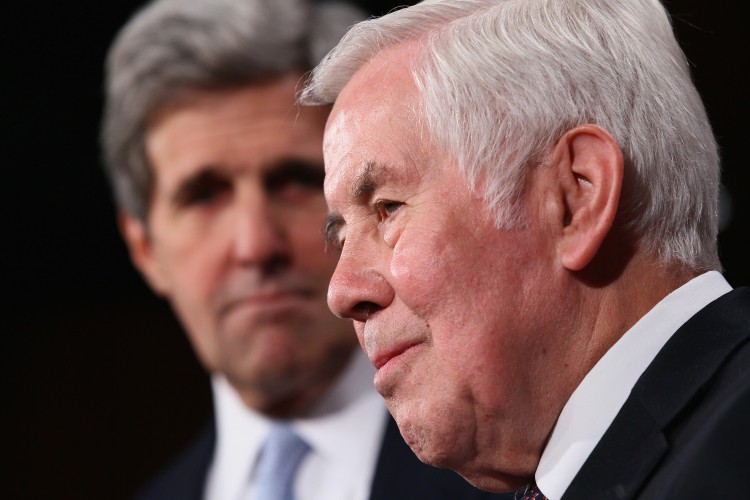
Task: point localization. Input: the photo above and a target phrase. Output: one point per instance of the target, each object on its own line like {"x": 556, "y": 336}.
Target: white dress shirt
{"x": 344, "y": 430}
{"x": 594, "y": 404}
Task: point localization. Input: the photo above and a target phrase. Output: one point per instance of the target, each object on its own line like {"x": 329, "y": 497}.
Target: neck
{"x": 613, "y": 309}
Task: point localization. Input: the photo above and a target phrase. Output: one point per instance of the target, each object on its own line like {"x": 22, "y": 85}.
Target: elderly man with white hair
{"x": 524, "y": 193}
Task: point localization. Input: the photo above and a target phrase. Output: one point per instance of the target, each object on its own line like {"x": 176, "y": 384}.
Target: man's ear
{"x": 589, "y": 165}
{"x": 140, "y": 246}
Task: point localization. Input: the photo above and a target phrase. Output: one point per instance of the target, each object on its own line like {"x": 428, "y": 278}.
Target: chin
{"x": 276, "y": 394}
{"x": 436, "y": 441}
{"x": 440, "y": 437}
{"x": 446, "y": 454}
{"x": 494, "y": 481}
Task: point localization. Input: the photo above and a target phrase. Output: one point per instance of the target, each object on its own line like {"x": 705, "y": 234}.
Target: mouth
{"x": 380, "y": 359}
{"x": 269, "y": 300}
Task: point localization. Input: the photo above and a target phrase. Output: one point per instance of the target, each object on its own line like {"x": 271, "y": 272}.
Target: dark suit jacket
{"x": 684, "y": 432}
{"x": 399, "y": 474}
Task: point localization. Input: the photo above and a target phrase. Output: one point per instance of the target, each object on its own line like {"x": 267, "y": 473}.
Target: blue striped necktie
{"x": 280, "y": 458}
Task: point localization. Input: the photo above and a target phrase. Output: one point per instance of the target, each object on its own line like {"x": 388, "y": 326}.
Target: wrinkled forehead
{"x": 370, "y": 145}
{"x": 376, "y": 118}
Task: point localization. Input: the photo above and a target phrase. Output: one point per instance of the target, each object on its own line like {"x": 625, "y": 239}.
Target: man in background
{"x": 218, "y": 179}
{"x": 525, "y": 197}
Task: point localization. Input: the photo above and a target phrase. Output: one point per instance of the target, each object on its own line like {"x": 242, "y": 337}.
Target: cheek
{"x": 416, "y": 267}
{"x": 432, "y": 271}
{"x": 194, "y": 287}
{"x": 196, "y": 300}
{"x": 195, "y": 268}
{"x": 446, "y": 279}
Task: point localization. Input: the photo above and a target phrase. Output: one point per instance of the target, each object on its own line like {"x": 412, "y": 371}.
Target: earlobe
{"x": 140, "y": 247}
{"x": 590, "y": 167}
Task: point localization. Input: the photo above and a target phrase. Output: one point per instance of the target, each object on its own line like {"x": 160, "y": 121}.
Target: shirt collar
{"x": 594, "y": 404}
{"x": 331, "y": 428}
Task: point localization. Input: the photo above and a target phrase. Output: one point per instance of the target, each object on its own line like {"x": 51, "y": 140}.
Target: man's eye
{"x": 202, "y": 196}
{"x": 203, "y": 193}
{"x": 333, "y": 233}
{"x": 295, "y": 179}
{"x": 386, "y": 208}
{"x": 296, "y": 188}
{"x": 337, "y": 244}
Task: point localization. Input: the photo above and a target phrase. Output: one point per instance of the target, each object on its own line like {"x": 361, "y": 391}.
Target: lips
{"x": 381, "y": 358}
{"x": 270, "y": 299}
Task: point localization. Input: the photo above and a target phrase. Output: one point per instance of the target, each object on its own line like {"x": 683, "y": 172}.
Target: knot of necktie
{"x": 533, "y": 493}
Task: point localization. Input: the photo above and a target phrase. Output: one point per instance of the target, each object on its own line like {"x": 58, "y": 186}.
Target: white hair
{"x": 502, "y": 80}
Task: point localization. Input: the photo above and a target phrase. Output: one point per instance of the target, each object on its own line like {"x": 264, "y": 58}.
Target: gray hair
{"x": 502, "y": 80}
{"x": 173, "y": 47}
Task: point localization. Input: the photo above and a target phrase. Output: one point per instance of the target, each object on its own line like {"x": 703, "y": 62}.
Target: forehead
{"x": 241, "y": 127}
{"x": 376, "y": 122}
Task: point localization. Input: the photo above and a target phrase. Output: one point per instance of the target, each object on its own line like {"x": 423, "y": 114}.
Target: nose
{"x": 357, "y": 290}
{"x": 260, "y": 236}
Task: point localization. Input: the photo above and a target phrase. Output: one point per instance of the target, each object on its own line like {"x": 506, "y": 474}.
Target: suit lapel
{"x": 624, "y": 457}
{"x": 634, "y": 444}
{"x": 185, "y": 478}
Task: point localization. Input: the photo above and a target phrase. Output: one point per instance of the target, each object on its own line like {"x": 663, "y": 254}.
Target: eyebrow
{"x": 274, "y": 174}
{"x": 299, "y": 169}
{"x": 371, "y": 176}
{"x": 204, "y": 175}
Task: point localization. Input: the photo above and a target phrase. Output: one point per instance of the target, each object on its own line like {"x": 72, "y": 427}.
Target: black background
{"x": 102, "y": 387}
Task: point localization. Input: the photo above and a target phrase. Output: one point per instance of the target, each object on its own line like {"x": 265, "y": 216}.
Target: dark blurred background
{"x": 102, "y": 386}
